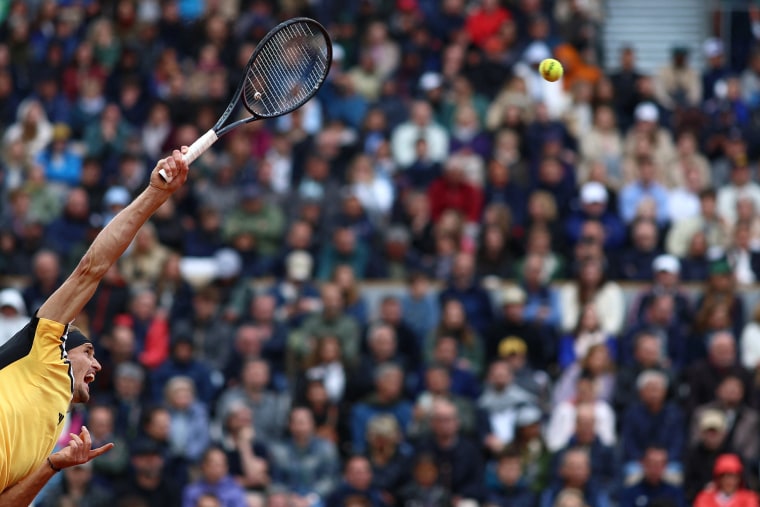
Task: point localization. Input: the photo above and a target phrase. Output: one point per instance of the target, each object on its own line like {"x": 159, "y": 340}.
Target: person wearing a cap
{"x": 593, "y": 200}
{"x": 647, "y": 136}
{"x": 716, "y": 69}
{"x": 727, "y": 488}
{"x": 49, "y": 364}
{"x": 666, "y": 271}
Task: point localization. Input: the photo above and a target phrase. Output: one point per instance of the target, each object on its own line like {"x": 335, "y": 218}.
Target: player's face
{"x": 84, "y": 367}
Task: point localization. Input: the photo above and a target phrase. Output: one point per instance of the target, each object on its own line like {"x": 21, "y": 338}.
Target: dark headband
{"x": 75, "y": 339}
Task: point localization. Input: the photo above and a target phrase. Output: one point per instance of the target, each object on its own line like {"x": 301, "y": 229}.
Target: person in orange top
{"x": 575, "y": 66}
{"x": 727, "y": 490}
{"x": 486, "y": 21}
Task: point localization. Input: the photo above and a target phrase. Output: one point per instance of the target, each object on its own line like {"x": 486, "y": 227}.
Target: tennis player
{"x": 49, "y": 364}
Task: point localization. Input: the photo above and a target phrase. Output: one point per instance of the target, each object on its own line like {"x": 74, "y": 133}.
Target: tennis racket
{"x": 286, "y": 69}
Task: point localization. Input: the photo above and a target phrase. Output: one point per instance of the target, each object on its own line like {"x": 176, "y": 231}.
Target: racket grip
{"x": 195, "y": 150}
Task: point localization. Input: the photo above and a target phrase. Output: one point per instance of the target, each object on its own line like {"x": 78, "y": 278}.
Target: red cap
{"x": 727, "y": 464}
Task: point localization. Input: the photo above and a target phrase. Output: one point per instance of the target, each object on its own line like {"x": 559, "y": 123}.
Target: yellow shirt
{"x": 36, "y": 388}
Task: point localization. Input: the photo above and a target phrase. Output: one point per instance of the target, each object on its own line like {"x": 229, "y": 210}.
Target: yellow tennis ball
{"x": 551, "y": 70}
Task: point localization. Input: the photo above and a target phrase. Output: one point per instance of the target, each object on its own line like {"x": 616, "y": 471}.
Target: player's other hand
{"x": 175, "y": 169}
{"x": 78, "y": 451}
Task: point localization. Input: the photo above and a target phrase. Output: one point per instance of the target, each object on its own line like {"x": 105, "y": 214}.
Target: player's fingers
{"x": 85, "y": 436}
{"x": 75, "y": 439}
{"x": 184, "y": 149}
{"x": 94, "y": 453}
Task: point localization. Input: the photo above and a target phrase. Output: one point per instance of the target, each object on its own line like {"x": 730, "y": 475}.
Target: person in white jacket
{"x": 585, "y": 407}
{"x": 12, "y": 313}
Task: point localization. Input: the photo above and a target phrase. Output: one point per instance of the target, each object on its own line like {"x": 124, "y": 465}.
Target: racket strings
{"x": 287, "y": 70}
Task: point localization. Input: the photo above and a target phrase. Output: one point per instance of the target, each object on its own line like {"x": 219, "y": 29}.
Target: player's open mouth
{"x": 90, "y": 377}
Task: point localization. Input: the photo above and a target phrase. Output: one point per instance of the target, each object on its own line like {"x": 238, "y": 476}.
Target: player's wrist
{"x": 53, "y": 466}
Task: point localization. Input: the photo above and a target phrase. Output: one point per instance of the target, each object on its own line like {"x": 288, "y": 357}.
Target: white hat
{"x": 513, "y": 295}
{"x": 646, "y": 111}
{"x": 228, "y": 263}
{"x": 593, "y": 192}
{"x": 299, "y": 264}
{"x": 116, "y": 196}
{"x": 12, "y": 297}
{"x": 430, "y": 81}
{"x": 536, "y": 52}
{"x": 712, "y": 47}
{"x": 667, "y": 263}
{"x": 338, "y": 53}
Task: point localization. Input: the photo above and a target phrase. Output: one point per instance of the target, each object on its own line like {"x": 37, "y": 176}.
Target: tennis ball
{"x": 551, "y": 70}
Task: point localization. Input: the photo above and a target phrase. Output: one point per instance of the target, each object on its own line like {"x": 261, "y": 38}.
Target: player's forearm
{"x": 114, "y": 239}
{"x": 24, "y": 492}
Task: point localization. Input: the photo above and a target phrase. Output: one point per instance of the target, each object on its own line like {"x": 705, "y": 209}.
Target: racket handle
{"x": 195, "y": 150}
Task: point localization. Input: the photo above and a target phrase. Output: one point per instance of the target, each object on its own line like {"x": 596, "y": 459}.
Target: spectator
{"x": 78, "y": 488}
{"x": 214, "y": 479}
{"x": 587, "y": 333}
{"x": 420, "y": 307}
{"x": 703, "y": 376}
{"x": 423, "y": 485}
{"x": 420, "y": 125}
{"x": 357, "y": 483}
{"x": 741, "y": 419}
{"x": 575, "y": 472}
{"x": 648, "y": 354}
{"x": 331, "y": 321}
{"x": 651, "y": 421}
{"x": 182, "y": 363}
{"x": 740, "y": 185}
{"x": 148, "y": 480}
{"x": 304, "y": 463}
{"x": 452, "y": 191}
{"x": 586, "y": 436}
{"x": 257, "y": 223}
{"x": 596, "y": 364}
{"x": 542, "y": 300}
{"x": 677, "y": 85}
{"x": 344, "y": 248}
{"x": 112, "y": 468}
{"x": 750, "y": 342}
{"x": 389, "y": 456}
{"x": 539, "y": 339}
{"x": 643, "y": 189}
{"x": 509, "y": 486}
{"x": 591, "y": 286}
{"x": 189, "y": 425}
{"x": 564, "y": 415}
{"x": 463, "y": 287}
{"x": 269, "y": 408}
{"x": 500, "y": 401}
{"x": 709, "y": 221}
{"x": 459, "y": 462}
{"x": 247, "y": 456}
{"x": 382, "y": 345}
{"x": 437, "y": 385}
{"x": 12, "y": 313}
{"x": 326, "y": 365}
{"x": 727, "y": 484}
{"x": 454, "y": 324}
{"x": 653, "y": 486}
{"x": 387, "y": 398}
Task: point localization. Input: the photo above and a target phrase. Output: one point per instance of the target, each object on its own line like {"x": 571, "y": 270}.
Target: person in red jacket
{"x": 485, "y": 21}
{"x": 727, "y": 489}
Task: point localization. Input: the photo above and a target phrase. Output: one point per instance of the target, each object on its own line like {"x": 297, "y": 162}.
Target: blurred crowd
{"x": 243, "y": 364}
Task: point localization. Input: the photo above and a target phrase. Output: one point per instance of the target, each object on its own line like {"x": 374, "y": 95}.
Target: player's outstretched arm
{"x": 67, "y": 302}
{"x": 78, "y": 451}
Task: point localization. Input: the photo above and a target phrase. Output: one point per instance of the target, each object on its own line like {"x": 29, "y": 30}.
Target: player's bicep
{"x": 65, "y": 304}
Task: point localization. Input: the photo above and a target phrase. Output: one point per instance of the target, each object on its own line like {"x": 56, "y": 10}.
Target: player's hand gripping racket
{"x": 286, "y": 69}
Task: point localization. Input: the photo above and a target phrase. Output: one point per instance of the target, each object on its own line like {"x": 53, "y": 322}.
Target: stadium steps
{"x": 653, "y": 27}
